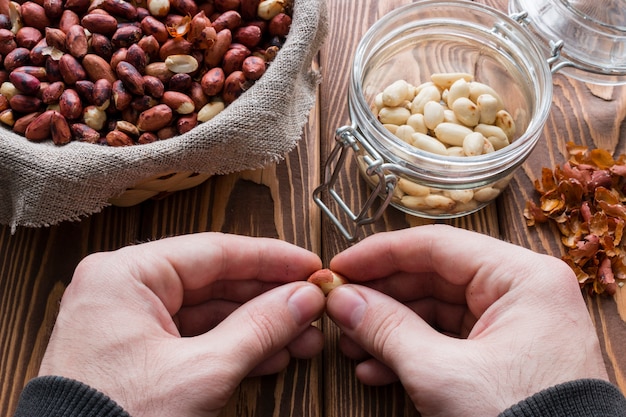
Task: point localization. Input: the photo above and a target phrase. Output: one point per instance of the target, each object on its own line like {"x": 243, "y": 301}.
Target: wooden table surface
{"x": 36, "y": 264}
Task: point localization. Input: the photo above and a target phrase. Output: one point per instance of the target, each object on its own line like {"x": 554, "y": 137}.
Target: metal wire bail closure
{"x": 349, "y": 138}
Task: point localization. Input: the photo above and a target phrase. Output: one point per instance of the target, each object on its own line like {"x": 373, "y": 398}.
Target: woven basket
{"x": 158, "y": 187}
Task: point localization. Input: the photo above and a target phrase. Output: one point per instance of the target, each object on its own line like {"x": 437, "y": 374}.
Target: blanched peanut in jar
{"x": 466, "y": 111}
{"x": 460, "y": 89}
{"x": 433, "y": 114}
{"x": 488, "y": 147}
{"x": 396, "y": 93}
{"x": 405, "y": 132}
{"x": 505, "y": 122}
{"x": 461, "y": 196}
{"x": 438, "y": 201}
{"x": 394, "y": 115}
{"x": 412, "y": 188}
{"x": 494, "y": 134}
{"x": 450, "y": 117}
{"x": 455, "y": 151}
{"x": 452, "y": 134}
{"x": 417, "y": 122}
{"x": 378, "y": 102}
{"x": 486, "y": 194}
{"x": 466, "y": 207}
{"x": 429, "y": 144}
{"x": 488, "y": 106}
{"x": 477, "y": 89}
{"x": 446, "y": 79}
{"x": 414, "y": 203}
{"x": 391, "y": 128}
{"x": 473, "y": 144}
{"x": 430, "y": 93}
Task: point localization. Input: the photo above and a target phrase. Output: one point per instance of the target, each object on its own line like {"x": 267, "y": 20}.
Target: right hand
{"x": 469, "y": 324}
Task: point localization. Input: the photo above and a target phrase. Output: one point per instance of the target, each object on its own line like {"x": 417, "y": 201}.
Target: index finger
{"x": 188, "y": 263}
{"x": 444, "y": 262}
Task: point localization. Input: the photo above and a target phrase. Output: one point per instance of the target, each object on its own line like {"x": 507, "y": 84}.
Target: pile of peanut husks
{"x": 585, "y": 199}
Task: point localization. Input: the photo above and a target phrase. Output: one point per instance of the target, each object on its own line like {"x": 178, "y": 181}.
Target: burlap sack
{"x": 42, "y": 184}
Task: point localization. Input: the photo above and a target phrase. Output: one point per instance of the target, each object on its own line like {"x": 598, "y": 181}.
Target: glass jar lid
{"x": 592, "y": 32}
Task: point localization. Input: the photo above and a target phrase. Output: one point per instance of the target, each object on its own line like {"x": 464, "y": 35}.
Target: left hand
{"x": 171, "y": 327}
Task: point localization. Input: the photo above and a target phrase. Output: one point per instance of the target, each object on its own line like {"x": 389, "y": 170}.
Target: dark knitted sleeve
{"x": 55, "y": 396}
{"x": 581, "y": 398}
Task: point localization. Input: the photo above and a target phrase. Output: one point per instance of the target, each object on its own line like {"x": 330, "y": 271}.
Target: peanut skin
{"x": 327, "y": 280}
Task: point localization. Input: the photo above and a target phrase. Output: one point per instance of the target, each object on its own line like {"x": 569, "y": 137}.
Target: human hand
{"x": 171, "y": 327}
{"x": 469, "y": 324}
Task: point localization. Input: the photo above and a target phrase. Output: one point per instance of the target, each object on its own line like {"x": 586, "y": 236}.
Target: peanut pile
{"x": 120, "y": 73}
{"x": 451, "y": 115}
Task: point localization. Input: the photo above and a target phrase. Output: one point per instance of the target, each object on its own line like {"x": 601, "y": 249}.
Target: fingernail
{"x": 350, "y": 307}
{"x": 304, "y": 304}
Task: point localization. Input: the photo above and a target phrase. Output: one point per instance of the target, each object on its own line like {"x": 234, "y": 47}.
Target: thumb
{"x": 387, "y": 329}
{"x": 265, "y": 325}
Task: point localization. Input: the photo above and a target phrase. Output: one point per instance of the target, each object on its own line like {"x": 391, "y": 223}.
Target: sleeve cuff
{"x": 584, "y": 397}
{"x": 56, "y": 396}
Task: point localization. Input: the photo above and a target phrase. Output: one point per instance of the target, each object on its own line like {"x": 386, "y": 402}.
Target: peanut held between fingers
{"x": 327, "y": 280}
{"x": 99, "y": 63}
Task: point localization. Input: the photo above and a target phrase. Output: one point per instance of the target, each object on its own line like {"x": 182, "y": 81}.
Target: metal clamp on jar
{"x": 512, "y": 56}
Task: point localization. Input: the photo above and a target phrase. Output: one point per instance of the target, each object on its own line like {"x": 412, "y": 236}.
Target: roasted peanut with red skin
{"x": 118, "y": 138}
{"x": 213, "y": 81}
{"x": 68, "y": 18}
{"x": 132, "y": 79}
{"x": 76, "y": 41}
{"x": 234, "y": 86}
{"x": 16, "y": 58}
{"x": 102, "y": 91}
{"x": 249, "y": 36}
{"x": 101, "y": 23}
{"x": 101, "y": 46}
{"x": 7, "y": 41}
{"x": 120, "y": 8}
{"x": 85, "y": 88}
{"x": 60, "y": 129}
{"x": 27, "y": 37}
{"x": 71, "y": 69}
{"x": 26, "y": 83}
{"x": 55, "y": 38}
{"x": 83, "y": 133}
{"x": 213, "y": 56}
{"x": 155, "y": 118}
{"x": 70, "y": 104}
{"x": 25, "y": 104}
{"x": 233, "y": 60}
{"x": 228, "y": 20}
{"x": 253, "y": 67}
{"x": 52, "y": 92}
{"x": 153, "y": 86}
{"x": 34, "y": 15}
{"x": 249, "y": 9}
{"x": 280, "y": 25}
{"x": 20, "y": 125}
{"x": 53, "y": 8}
{"x": 39, "y": 128}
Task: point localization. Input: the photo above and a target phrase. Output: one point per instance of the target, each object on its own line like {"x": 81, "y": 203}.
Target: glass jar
{"x": 412, "y": 43}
